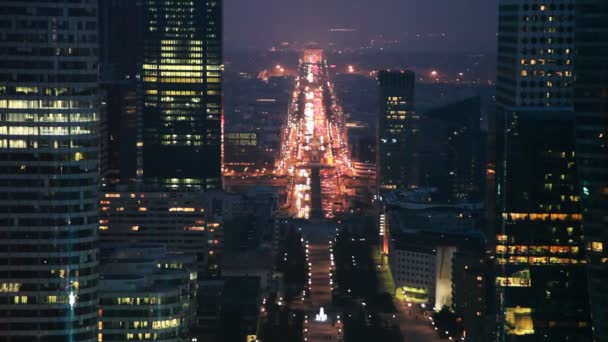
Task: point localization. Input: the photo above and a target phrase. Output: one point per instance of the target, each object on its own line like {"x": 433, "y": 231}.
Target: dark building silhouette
{"x": 120, "y": 36}
{"x": 450, "y": 149}
{"x": 396, "y": 131}
{"x": 541, "y": 278}
{"x": 48, "y": 171}
{"x": 591, "y": 105}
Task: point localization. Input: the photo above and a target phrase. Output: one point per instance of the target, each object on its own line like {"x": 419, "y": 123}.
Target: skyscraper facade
{"x": 540, "y": 256}
{"x": 591, "y": 105}
{"x": 536, "y": 54}
{"x": 121, "y": 40}
{"x": 396, "y": 122}
{"x": 180, "y": 95}
{"x": 48, "y": 170}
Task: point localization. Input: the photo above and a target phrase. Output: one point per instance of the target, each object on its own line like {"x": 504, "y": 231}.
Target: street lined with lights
{"x": 319, "y": 325}
{"x": 314, "y": 153}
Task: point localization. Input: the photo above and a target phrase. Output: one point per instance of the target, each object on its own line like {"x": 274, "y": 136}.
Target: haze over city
{"x": 469, "y": 25}
{"x": 303, "y": 171}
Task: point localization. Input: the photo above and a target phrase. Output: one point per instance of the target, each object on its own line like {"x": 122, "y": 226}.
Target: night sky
{"x": 469, "y": 24}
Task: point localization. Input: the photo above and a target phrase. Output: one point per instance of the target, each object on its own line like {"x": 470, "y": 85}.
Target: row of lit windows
{"x": 543, "y": 51}
{"x": 20, "y": 143}
{"x": 173, "y": 92}
{"x": 172, "y": 80}
{"x": 62, "y": 91}
{"x": 160, "y": 324}
{"x": 180, "y": 67}
{"x": 181, "y": 57}
{"x": 183, "y": 180}
{"x": 178, "y": 118}
{"x": 43, "y": 130}
{"x": 44, "y": 300}
{"x": 538, "y": 260}
{"x": 10, "y": 287}
{"x": 182, "y": 136}
{"x": 180, "y": 74}
{"x": 45, "y": 104}
{"x": 181, "y": 48}
{"x": 186, "y": 59}
{"x": 523, "y": 249}
{"x": 541, "y": 216}
{"x": 48, "y": 117}
{"x": 180, "y": 42}
{"x": 180, "y": 143}
{"x": 542, "y": 61}
{"x": 139, "y": 300}
{"x": 545, "y": 73}
{"x": 513, "y": 282}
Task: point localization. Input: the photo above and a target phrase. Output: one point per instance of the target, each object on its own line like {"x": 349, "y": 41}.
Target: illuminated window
{"x": 597, "y": 246}
{"x": 10, "y": 287}
{"x": 519, "y": 321}
{"x": 20, "y": 299}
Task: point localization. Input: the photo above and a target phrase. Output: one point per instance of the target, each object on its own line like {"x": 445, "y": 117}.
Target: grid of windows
{"x": 540, "y": 35}
{"x": 396, "y": 130}
{"x": 48, "y": 170}
{"x": 181, "y": 107}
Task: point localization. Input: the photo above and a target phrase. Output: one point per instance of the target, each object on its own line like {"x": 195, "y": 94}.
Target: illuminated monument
{"x": 321, "y": 316}
{"x": 313, "y": 56}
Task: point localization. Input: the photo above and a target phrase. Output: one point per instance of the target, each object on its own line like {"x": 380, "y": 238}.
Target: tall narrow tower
{"x": 591, "y": 105}
{"x": 396, "y": 121}
{"x": 540, "y": 254}
{"x": 48, "y": 170}
{"x": 180, "y": 95}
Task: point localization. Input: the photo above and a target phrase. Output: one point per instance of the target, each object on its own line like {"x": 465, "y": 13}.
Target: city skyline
{"x": 276, "y": 171}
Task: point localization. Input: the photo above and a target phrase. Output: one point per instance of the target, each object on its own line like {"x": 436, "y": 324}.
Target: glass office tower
{"x": 540, "y": 255}
{"x": 396, "y": 131}
{"x": 48, "y": 170}
{"x": 180, "y": 95}
{"x": 591, "y": 105}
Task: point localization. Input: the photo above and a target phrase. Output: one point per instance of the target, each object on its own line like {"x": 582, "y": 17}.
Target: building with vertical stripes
{"x": 48, "y": 170}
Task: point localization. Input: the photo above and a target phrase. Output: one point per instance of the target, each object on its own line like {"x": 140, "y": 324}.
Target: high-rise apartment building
{"x": 591, "y": 105}
{"x": 396, "y": 120}
{"x": 540, "y": 256}
{"x": 180, "y": 95}
{"x": 48, "y": 170}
